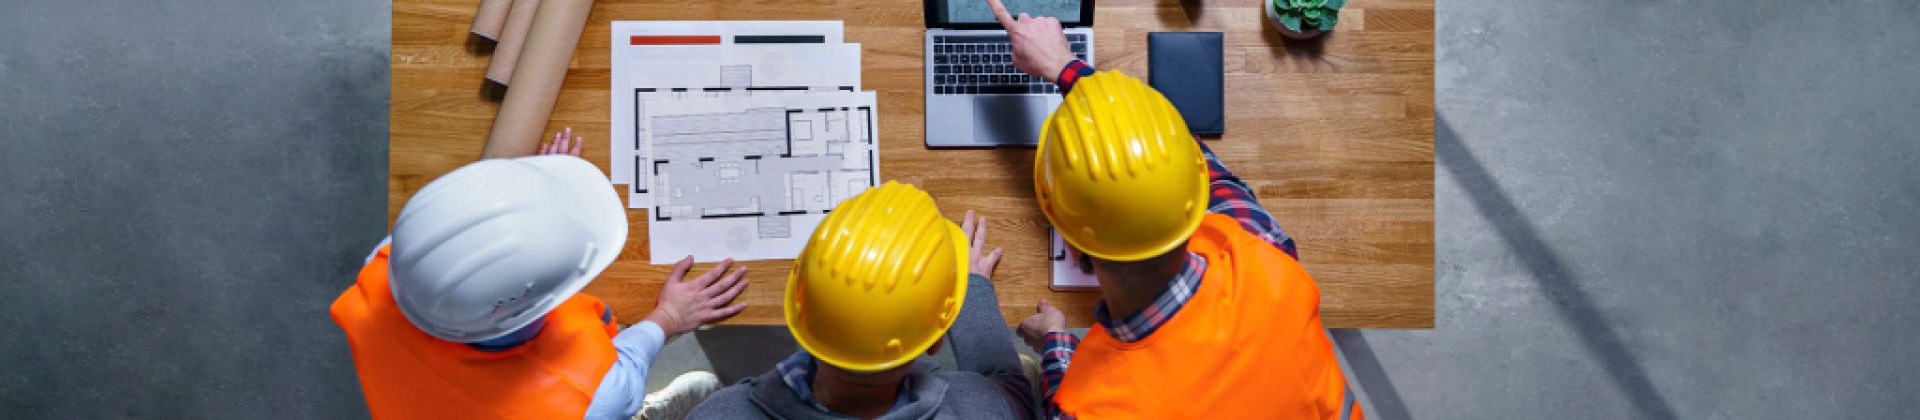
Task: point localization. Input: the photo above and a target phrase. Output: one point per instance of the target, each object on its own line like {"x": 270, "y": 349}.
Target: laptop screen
{"x": 975, "y": 14}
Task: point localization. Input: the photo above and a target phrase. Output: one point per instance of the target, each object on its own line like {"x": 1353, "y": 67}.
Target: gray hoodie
{"x": 988, "y": 382}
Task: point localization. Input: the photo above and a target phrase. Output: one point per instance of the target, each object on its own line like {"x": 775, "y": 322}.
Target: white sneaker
{"x": 679, "y": 397}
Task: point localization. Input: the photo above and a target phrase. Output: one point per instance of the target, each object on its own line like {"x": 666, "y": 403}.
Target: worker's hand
{"x": 1045, "y": 319}
{"x": 688, "y": 304}
{"x": 559, "y": 144}
{"x": 1039, "y": 45}
{"x": 980, "y": 260}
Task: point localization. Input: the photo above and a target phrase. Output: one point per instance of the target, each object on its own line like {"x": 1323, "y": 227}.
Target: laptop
{"x": 975, "y": 97}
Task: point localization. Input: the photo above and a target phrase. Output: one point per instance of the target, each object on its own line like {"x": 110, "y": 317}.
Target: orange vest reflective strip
{"x": 1247, "y": 345}
{"x": 407, "y": 374}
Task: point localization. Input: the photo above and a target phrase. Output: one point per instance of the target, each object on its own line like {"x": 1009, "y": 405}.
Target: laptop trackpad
{"x": 1008, "y": 119}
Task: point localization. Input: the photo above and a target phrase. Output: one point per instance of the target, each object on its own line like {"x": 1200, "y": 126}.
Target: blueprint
{"x": 738, "y": 137}
{"x": 701, "y": 55}
{"x": 750, "y": 176}
{"x": 731, "y": 72}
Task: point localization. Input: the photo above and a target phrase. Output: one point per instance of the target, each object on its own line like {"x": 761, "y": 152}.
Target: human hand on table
{"x": 688, "y": 304}
{"x": 1039, "y": 45}
{"x": 1045, "y": 319}
{"x": 979, "y": 260}
{"x": 559, "y": 144}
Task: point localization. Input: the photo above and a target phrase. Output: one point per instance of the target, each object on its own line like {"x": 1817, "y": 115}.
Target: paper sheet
{"x": 643, "y": 56}
{"x": 800, "y": 70}
{"x": 750, "y": 177}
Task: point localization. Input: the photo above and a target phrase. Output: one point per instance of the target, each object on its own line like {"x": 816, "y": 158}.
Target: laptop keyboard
{"x": 983, "y": 64}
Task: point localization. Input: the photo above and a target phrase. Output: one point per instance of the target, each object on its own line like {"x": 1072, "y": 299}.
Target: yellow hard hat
{"x": 1118, "y": 174}
{"x": 879, "y": 282}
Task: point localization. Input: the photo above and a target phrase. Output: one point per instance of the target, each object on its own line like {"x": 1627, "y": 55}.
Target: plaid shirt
{"x": 1230, "y": 196}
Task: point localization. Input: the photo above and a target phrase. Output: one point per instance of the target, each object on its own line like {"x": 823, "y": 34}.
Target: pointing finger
{"x": 1000, "y": 12}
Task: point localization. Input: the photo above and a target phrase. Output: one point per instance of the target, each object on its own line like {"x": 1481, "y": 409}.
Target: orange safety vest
{"x": 1247, "y": 345}
{"x": 407, "y": 374}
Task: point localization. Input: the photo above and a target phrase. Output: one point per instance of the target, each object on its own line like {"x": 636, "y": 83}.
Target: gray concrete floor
{"x": 1665, "y": 209}
{"x": 1645, "y": 209}
{"x": 185, "y": 186}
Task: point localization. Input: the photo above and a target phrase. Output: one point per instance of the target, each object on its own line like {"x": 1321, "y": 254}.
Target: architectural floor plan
{"x": 750, "y": 177}
{"x": 737, "y": 137}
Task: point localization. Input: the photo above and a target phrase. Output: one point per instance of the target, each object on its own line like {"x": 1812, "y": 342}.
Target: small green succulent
{"x": 1303, "y": 15}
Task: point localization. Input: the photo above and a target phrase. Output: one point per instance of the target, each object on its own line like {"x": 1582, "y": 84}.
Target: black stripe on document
{"x": 780, "y": 39}
{"x": 724, "y": 216}
{"x": 637, "y": 184}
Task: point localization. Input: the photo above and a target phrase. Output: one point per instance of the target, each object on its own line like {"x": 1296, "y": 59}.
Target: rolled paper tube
{"x": 537, "y": 77}
{"x": 513, "y": 37}
{"x": 490, "y": 18}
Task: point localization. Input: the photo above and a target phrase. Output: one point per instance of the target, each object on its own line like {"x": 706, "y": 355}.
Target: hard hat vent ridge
{"x": 1117, "y": 172}
{"x": 867, "y": 290}
{"x": 496, "y": 244}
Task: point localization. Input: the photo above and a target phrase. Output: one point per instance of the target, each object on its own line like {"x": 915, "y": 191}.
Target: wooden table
{"x": 1335, "y": 135}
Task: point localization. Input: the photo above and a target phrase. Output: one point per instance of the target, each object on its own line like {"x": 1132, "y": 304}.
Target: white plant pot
{"x": 1275, "y": 18}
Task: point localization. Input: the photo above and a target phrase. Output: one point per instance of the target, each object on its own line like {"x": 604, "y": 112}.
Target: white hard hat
{"x": 493, "y": 246}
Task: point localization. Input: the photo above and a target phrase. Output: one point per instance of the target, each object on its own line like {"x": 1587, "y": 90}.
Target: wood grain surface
{"x": 1335, "y": 135}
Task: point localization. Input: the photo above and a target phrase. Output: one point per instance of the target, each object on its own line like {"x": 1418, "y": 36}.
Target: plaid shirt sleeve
{"x": 1232, "y": 197}
{"x": 1075, "y": 70}
{"x": 1053, "y": 367}
{"x": 1229, "y": 196}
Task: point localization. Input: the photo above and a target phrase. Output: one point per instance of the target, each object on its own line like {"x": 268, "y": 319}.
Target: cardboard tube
{"x": 490, "y": 18}
{"x": 513, "y": 37}
{"x": 537, "y": 77}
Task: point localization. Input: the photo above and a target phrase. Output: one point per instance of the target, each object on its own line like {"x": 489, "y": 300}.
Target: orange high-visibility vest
{"x": 1247, "y": 345}
{"x": 407, "y": 374}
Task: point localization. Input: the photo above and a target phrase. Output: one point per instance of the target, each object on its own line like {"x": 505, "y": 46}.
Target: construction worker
{"x": 472, "y": 310}
{"x": 1205, "y": 313}
{"x": 879, "y": 283}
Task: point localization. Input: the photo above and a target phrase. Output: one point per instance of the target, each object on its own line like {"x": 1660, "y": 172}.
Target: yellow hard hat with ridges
{"x": 879, "y": 281}
{"x": 1117, "y": 172}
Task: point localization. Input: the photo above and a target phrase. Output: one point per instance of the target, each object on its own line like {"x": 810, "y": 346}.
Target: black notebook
{"x": 1186, "y": 67}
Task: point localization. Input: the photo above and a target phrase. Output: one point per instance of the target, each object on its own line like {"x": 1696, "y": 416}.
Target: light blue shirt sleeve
{"x": 624, "y": 388}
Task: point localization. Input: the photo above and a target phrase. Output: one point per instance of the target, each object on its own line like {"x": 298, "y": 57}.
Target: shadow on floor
{"x": 1556, "y": 281}
{"x": 1369, "y": 378}
{"x": 743, "y": 351}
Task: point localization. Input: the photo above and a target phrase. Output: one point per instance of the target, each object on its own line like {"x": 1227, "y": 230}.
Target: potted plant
{"x": 1302, "y": 19}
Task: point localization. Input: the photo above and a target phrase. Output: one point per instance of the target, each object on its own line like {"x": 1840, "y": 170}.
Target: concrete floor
{"x": 1664, "y": 209}
{"x": 1646, "y": 209}
{"x": 185, "y": 186}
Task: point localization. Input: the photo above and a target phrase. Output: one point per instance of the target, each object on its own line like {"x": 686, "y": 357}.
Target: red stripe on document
{"x": 674, "y": 40}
